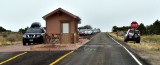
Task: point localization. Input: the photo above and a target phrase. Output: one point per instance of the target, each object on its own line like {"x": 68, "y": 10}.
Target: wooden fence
{"x": 64, "y": 38}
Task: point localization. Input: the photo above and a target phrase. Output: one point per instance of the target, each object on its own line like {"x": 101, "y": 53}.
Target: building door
{"x": 65, "y": 33}
{"x": 65, "y": 27}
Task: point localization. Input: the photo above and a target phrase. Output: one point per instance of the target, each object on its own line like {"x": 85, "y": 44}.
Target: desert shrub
{"x": 19, "y": 36}
{"x": 120, "y": 33}
{"x": 4, "y": 34}
{"x": 11, "y": 37}
{"x": 2, "y": 40}
{"x": 7, "y": 38}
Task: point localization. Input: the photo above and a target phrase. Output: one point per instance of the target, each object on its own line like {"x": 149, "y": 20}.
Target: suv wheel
{"x": 137, "y": 41}
{"x": 29, "y": 43}
{"x": 40, "y": 42}
{"x": 24, "y": 43}
{"x": 125, "y": 40}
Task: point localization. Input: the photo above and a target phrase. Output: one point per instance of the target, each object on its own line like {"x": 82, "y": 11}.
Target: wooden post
{"x": 75, "y": 37}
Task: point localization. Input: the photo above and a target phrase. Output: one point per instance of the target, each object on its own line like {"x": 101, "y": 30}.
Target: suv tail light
{"x": 139, "y": 33}
{"x": 128, "y": 32}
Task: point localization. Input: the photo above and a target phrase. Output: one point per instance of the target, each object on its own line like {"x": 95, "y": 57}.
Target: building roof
{"x": 62, "y": 10}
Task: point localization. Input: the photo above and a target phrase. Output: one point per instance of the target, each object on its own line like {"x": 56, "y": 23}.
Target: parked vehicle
{"x": 35, "y": 34}
{"x": 81, "y": 32}
{"x": 96, "y": 31}
{"x": 88, "y": 32}
{"x": 129, "y": 36}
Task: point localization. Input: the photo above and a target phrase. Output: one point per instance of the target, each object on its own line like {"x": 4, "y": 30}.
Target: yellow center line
{"x": 12, "y": 58}
{"x": 61, "y": 58}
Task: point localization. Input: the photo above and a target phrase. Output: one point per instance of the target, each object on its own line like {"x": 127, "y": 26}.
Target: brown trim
{"x": 64, "y": 11}
{"x": 75, "y": 23}
{"x": 46, "y": 27}
{"x": 57, "y": 10}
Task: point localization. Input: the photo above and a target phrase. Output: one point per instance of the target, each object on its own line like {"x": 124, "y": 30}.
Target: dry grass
{"x": 149, "y": 42}
{"x": 148, "y": 49}
{"x": 115, "y": 36}
{"x": 2, "y": 40}
{"x": 151, "y": 39}
{"x": 9, "y": 38}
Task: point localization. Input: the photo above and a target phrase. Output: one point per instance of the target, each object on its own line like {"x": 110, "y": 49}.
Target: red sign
{"x": 134, "y": 25}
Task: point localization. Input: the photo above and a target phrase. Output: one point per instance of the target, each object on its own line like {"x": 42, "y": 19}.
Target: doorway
{"x": 65, "y": 33}
{"x": 65, "y": 27}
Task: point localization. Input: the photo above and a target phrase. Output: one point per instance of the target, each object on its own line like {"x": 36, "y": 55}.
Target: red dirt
{"x": 15, "y": 48}
{"x": 43, "y": 47}
{"x": 55, "y": 47}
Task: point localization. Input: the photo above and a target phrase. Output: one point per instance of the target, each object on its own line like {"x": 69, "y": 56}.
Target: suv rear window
{"x": 132, "y": 31}
{"x": 136, "y": 31}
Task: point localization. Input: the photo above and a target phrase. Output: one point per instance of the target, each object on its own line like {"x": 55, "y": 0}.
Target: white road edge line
{"x": 127, "y": 51}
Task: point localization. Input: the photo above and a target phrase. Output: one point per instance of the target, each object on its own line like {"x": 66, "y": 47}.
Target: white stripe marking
{"x": 128, "y": 51}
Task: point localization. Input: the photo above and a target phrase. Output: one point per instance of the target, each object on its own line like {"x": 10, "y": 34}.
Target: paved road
{"x": 101, "y": 50}
{"x": 32, "y": 58}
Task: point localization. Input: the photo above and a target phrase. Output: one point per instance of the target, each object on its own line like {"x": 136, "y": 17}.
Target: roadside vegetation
{"x": 8, "y": 37}
{"x": 149, "y": 46}
{"x": 148, "y": 42}
{"x": 148, "y": 49}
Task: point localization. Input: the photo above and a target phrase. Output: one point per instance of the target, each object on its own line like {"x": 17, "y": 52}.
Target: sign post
{"x": 134, "y": 25}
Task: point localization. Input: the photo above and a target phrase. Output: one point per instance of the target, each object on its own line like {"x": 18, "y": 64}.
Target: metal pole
{"x": 134, "y": 36}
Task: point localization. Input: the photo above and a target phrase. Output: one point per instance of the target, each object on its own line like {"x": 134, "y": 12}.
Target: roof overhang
{"x": 64, "y": 11}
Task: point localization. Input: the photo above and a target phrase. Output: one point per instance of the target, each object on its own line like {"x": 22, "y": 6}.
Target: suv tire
{"x": 29, "y": 43}
{"x": 137, "y": 41}
{"x": 125, "y": 40}
{"x": 24, "y": 43}
{"x": 40, "y": 42}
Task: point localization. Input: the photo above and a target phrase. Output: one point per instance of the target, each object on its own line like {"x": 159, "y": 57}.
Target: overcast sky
{"x": 103, "y": 14}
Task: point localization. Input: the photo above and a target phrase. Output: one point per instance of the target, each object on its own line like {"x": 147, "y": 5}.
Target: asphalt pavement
{"x": 34, "y": 58}
{"x": 101, "y": 50}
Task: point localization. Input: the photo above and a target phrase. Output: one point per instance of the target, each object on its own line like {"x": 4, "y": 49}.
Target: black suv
{"x": 35, "y": 34}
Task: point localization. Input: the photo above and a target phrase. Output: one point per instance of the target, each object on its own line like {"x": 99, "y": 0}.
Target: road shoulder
{"x": 133, "y": 51}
